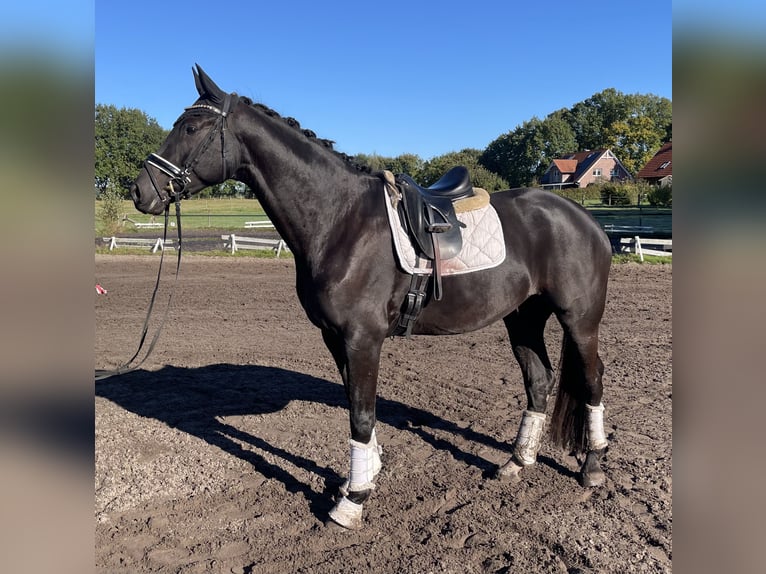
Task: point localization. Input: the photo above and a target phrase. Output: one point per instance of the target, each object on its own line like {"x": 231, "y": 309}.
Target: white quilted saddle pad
{"x": 483, "y": 243}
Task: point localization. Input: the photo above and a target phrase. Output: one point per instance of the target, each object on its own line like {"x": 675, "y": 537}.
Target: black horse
{"x": 333, "y": 217}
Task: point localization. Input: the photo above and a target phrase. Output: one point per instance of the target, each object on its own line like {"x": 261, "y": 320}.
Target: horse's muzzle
{"x": 146, "y": 201}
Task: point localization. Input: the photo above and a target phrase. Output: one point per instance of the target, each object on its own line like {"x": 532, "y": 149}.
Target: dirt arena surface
{"x": 222, "y": 454}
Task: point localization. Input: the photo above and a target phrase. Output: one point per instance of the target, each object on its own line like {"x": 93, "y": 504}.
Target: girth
{"x": 428, "y": 214}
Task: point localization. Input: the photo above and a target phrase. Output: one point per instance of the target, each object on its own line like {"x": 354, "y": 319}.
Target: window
{"x": 664, "y": 165}
{"x": 597, "y": 172}
{"x": 614, "y": 172}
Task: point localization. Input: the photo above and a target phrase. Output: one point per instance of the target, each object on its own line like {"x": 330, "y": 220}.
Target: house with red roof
{"x": 583, "y": 168}
{"x": 659, "y": 169}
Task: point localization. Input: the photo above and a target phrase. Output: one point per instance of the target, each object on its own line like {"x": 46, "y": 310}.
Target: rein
{"x": 125, "y": 367}
{"x": 179, "y": 176}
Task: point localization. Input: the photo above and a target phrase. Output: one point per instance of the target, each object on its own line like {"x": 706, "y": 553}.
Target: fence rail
{"x": 638, "y": 245}
{"x": 262, "y": 224}
{"x": 154, "y": 244}
{"x": 237, "y": 242}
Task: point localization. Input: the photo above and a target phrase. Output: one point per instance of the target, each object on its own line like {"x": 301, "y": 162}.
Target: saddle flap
{"x": 430, "y": 220}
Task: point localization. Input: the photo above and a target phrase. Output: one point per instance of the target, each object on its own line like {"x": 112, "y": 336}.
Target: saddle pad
{"x": 483, "y": 243}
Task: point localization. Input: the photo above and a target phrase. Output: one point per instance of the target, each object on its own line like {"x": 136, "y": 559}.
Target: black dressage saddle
{"x": 428, "y": 214}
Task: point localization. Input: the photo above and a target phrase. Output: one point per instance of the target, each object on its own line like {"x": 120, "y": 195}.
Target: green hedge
{"x": 661, "y": 196}
{"x": 620, "y": 194}
{"x": 612, "y": 193}
{"x": 579, "y": 194}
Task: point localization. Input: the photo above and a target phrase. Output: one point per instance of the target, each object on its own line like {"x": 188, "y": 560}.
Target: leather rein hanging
{"x": 126, "y": 367}
{"x": 182, "y": 179}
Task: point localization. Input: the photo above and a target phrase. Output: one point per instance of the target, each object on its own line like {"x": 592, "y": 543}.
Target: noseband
{"x": 179, "y": 177}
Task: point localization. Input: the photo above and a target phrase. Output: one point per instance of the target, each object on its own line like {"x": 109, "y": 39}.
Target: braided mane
{"x": 310, "y": 134}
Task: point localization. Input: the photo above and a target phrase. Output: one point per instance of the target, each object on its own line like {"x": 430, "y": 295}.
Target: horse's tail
{"x": 568, "y": 419}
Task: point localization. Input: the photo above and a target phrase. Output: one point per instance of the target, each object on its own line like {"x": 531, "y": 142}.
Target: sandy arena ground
{"x": 222, "y": 454}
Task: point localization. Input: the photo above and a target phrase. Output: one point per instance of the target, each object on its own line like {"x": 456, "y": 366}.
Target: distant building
{"x": 659, "y": 169}
{"x": 583, "y": 168}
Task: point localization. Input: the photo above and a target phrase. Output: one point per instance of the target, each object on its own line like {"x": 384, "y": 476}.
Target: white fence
{"x": 237, "y": 242}
{"x": 146, "y": 225}
{"x": 263, "y": 224}
{"x": 637, "y": 245}
{"x": 611, "y": 228}
{"x": 154, "y": 244}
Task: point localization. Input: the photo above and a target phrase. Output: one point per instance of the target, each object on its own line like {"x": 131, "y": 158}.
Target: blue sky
{"x": 387, "y": 78}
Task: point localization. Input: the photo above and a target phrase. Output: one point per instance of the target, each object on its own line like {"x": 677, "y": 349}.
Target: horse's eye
{"x": 191, "y": 129}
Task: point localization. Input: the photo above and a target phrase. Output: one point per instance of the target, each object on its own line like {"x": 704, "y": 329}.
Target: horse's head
{"x": 197, "y": 153}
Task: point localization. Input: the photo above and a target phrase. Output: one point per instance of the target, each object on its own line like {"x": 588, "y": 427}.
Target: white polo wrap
{"x": 594, "y": 427}
{"x": 529, "y": 437}
{"x": 365, "y": 465}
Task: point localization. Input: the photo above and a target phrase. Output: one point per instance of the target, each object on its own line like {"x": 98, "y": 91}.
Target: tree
{"x": 124, "y": 138}
{"x": 589, "y": 118}
{"x": 408, "y": 163}
{"x": 633, "y": 126}
{"x": 229, "y": 188}
{"x": 374, "y": 161}
{"x": 436, "y": 167}
{"x": 553, "y": 138}
{"x": 523, "y": 155}
{"x": 634, "y": 141}
{"x": 426, "y": 173}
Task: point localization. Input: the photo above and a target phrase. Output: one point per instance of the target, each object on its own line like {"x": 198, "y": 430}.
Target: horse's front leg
{"x": 359, "y": 370}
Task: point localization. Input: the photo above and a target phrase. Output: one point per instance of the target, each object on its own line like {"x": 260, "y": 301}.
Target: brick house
{"x": 659, "y": 169}
{"x": 583, "y": 168}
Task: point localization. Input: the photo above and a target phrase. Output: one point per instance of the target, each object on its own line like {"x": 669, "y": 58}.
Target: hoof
{"x": 593, "y": 479}
{"x": 509, "y": 472}
{"x": 333, "y": 526}
{"x": 591, "y": 474}
{"x": 347, "y": 514}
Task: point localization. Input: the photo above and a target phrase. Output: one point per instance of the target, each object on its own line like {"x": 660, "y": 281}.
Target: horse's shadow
{"x": 194, "y": 400}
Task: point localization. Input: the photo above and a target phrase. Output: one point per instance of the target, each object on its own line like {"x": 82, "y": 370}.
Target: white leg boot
{"x": 528, "y": 441}
{"x": 365, "y": 466}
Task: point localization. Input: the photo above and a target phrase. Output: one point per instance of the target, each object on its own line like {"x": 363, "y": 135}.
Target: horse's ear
{"x": 200, "y": 89}
{"x": 207, "y": 88}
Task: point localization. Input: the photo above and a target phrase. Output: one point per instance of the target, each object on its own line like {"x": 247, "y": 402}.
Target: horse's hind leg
{"x": 577, "y": 420}
{"x": 526, "y": 329}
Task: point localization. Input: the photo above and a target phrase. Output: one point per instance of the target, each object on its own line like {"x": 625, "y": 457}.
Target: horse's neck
{"x": 306, "y": 191}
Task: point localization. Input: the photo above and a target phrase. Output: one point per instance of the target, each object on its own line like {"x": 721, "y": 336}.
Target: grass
{"x": 648, "y": 259}
{"x": 230, "y": 214}
{"x": 225, "y": 214}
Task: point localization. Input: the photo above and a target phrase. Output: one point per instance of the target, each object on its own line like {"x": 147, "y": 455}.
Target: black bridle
{"x": 180, "y": 177}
